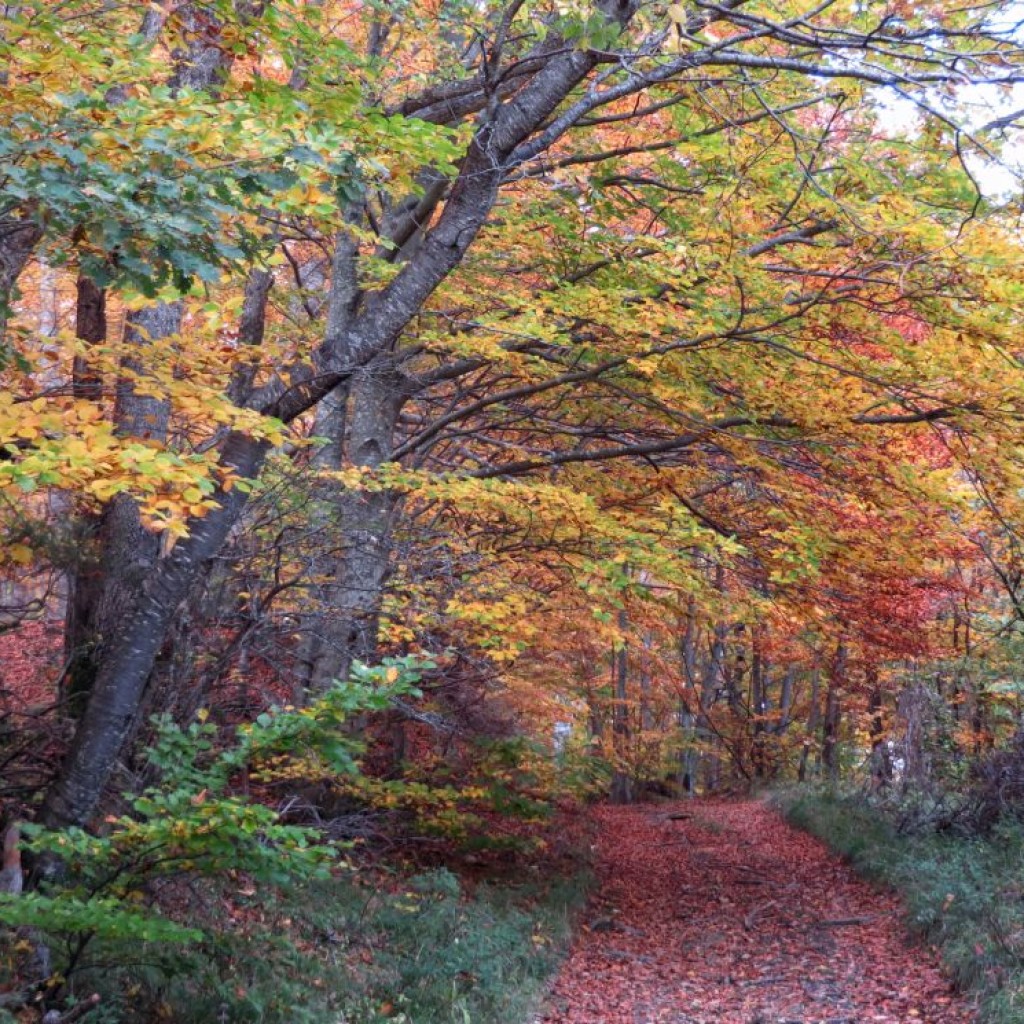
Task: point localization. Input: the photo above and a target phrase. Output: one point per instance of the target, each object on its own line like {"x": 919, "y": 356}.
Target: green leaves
{"x": 97, "y": 916}
{"x": 192, "y": 822}
{"x": 148, "y": 186}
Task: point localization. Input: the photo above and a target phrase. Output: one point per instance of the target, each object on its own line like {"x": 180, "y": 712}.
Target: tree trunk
{"x": 881, "y": 762}
{"x": 19, "y": 235}
{"x": 84, "y": 578}
{"x": 129, "y": 657}
{"x": 622, "y": 781}
{"x": 811, "y": 731}
{"x": 106, "y": 584}
{"x": 346, "y": 628}
{"x": 759, "y": 709}
{"x": 786, "y": 702}
{"x": 714, "y": 686}
{"x": 833, "y": 716}
{"x": 690, "y": 699}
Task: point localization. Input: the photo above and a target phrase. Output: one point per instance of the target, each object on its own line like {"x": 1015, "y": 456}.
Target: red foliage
{"x": 726, "y": 915}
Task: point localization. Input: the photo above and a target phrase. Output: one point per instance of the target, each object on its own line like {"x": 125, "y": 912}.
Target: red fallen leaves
{"x": 724, "y": 914}
{"x": 29, "y": 664}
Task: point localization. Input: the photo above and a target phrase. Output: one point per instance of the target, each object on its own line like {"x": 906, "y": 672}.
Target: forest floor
{"x": 718, "y": 912}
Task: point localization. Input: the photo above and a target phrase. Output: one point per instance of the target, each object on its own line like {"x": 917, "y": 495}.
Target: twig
{"x": 56, "y": 1017}
{"x": 749, "y": 920}
{"x": 843, "y": 922}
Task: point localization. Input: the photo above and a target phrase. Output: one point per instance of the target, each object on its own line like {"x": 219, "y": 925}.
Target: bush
{"x": 129, "y": 895}
{"x": 348, "y": 950}
{"x": 198, "y": 904}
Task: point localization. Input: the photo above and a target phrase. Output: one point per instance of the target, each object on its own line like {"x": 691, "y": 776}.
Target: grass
{"x": 964, "y": 895}
{"x": 423, "y": 949}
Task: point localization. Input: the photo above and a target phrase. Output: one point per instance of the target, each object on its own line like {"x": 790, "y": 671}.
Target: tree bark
{"x": 690, "y": 699}
{"x": 128, "y": 659}
{"x": 346, "y": 629}
{"x": 622, "y": 782}
{"x": 759, "y": 678}
{"x": 833, "y": 716}
{"x": 813, "y": 716}
{"x": 19, "y": 235}
{"x": 106, "y": 583}
{"x": 881, "y": 762}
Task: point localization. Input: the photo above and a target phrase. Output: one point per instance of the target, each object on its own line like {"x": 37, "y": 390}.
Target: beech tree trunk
{"x": 107, "y": 582}
{"x": 715, "y": 685}
{"x": 128, "y": 659}
{"x": 106, "y": 585}
{"x": 813, "y": 716}
{"x": 759, "y": 680}
{"x": 881, "y": 762}
{"x": 688, "y": 721}
{"x": 833, "y": 716}
{"x": 19, "y": 235}
{"x": 346, "y": 628}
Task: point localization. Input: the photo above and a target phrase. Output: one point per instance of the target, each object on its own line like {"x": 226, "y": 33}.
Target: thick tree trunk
{"x": 346, "y": 629}
{"x": 129, "y": 657}
{"x": 85, "y": 578}
{"x": 107, "y": 582}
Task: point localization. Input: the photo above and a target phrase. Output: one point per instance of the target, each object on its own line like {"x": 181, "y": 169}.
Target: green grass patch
{"x": 964, "y": 895}
{"x": 423, "y": 949}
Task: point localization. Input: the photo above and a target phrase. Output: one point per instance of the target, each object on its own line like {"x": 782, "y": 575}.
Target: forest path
{"x": 718, "y": 912}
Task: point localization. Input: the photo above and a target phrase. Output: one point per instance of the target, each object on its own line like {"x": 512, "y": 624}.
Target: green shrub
{"x": 198, "y": 905}
{"x": 109, "y": 903}
{"x": 342, "y": 949}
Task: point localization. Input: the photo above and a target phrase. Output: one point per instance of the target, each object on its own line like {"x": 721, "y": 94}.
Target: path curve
{"x": 718, "y": 912}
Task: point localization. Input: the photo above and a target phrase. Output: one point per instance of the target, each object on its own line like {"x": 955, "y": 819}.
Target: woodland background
{"x": 420, "y": 417}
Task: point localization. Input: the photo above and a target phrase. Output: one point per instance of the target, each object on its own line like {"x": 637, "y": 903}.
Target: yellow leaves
{"x": 645, "y": 367}
{"x": 103, "y": 490}
{"x": 27, "y": 429}
{"x": 20, "y": 554}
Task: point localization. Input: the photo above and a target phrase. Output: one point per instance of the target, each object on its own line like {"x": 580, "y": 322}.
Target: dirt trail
{"x": 729, "y": 916}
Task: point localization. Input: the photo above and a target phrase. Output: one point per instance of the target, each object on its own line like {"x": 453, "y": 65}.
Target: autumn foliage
{"x": 643, "y": 378}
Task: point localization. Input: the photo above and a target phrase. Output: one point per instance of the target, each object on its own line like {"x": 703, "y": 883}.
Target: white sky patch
{"x": 974, "y": 107}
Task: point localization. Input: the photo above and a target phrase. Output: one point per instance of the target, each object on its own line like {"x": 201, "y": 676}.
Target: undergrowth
{"x": 199, "y": 905}
{"x": 428, "y": 949}
{"x": 963, "y": 894}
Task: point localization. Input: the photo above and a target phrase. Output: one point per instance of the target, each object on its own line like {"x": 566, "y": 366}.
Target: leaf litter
{"x": 718, "y": 912}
